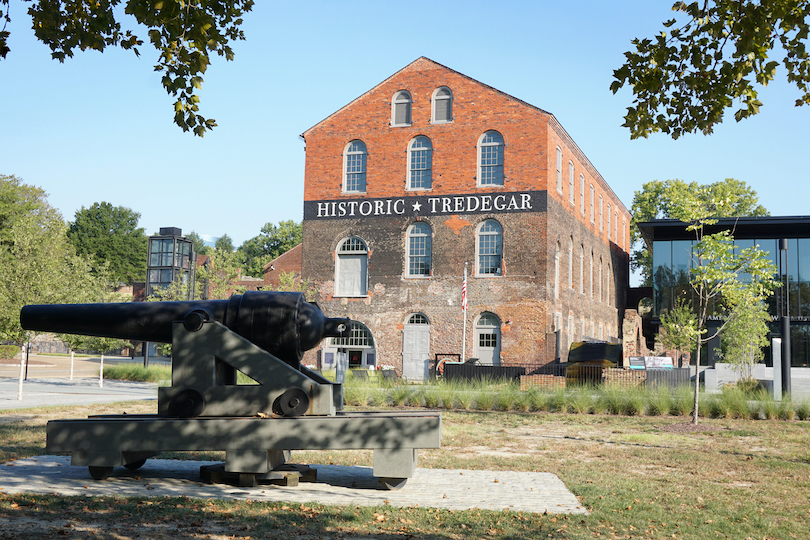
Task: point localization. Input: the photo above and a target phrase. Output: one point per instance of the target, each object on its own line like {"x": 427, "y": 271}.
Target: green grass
{"x": 743, "y": 479}
{"x": 136, "y": 372}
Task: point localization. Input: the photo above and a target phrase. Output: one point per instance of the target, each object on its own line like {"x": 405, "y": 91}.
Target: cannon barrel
{"x": 282, "y": 323}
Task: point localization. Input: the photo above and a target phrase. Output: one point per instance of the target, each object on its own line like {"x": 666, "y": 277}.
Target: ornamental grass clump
{"x": 634, "y": 401}
{"x": 580, "y": 399}
{"x": 400, "y": 395}
{"x": 803, "y": 410}
{"x": 659, "y": 401}
{"x": 484, "y": 400}
{"x": 682, "y": 401}
{"x": 612, "y": 400}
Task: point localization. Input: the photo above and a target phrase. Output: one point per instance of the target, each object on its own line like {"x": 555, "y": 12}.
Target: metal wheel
{"x": 135, "y": 465}
{"x": 393, "y": 484}
{"x": 100, "y": 473}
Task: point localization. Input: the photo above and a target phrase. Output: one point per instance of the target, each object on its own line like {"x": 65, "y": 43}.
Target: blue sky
{"x": 99, "y": 127}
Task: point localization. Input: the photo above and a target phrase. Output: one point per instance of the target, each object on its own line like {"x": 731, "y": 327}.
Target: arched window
{"x": 592, "y": 203}
{"x": 489, "y": 248}
{"x": 420, "y": 163}
{"x": 557, "y": 270}
{"x": 600, "y": 279}
{"x": 419, "y": 250}
{"x": 608, "y": 220}
{"x": 490, "y": 159}
{"x": 591, "y": 275}
{"x": 354, "y": 161}
{"x": 608, "y": 279}
{"x": 601, "y": 220}
{"x": 442, "y": 105}
{"x": 581, "y": 269}
{"x": 571, "y": 262}
{"x": 351, "y": 268}
{"x": 401, "y": 109}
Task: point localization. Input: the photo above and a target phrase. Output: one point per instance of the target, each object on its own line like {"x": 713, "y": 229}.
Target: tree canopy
{"x": 659, "y": 200}
{"x": 185, "y": 34}
{"x": 273, "y": 241}
{"x": 711, "y": 57}
{"x": 39, "y": 265}
{"x": 110, "y": 234}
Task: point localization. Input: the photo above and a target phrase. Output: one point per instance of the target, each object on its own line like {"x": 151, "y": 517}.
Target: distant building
{"x": 430, "y": 171}
{"x": 670, "y": 244}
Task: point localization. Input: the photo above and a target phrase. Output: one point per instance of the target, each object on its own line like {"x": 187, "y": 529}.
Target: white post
{"x": 101, "y": 372}
{"x": 71, "y": 364}
{"x": 22, "y": 373}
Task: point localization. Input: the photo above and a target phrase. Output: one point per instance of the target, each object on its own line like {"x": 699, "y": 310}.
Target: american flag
{"x": 464, "y": 290}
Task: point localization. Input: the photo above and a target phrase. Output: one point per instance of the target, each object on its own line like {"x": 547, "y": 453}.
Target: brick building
{"x": 431, "y": 171}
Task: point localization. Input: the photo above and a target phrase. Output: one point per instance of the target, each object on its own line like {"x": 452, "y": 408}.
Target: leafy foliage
{"x": 199, "y": 246}
{"x": 679, "y": 330}
{"x": 734, "y": 198}
{"x": 722, "y": 277}
{"x": 110, "y": 234}
{"x": 220, "y": 274}
{"x": 224, "y": 243}
{"x": 39, "y": 265}
{"x": 708, "y": 59}
{"x": 273, "y": 241}
{"x": 184, "y": 32}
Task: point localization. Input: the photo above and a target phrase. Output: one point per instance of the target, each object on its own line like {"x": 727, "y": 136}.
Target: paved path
{"x": 49, "y": 392}
{"x": 336, "y": 485}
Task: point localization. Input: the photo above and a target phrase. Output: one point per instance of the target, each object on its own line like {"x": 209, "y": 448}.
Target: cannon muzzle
{"x": 282, "y": 323}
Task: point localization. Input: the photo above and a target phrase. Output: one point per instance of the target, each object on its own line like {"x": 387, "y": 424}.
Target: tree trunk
{"x": 697, "y": 384}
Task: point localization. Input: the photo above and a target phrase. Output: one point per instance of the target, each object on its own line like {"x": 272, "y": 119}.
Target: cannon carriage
{"x": 262, "y": 334}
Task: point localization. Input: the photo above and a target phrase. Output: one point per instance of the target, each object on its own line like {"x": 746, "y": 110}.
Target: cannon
{"x": 286, "y": 407}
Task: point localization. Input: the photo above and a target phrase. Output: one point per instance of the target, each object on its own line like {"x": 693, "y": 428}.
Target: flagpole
{"x": 464, "y": 314}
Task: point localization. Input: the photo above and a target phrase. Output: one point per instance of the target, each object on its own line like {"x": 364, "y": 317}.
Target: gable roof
{"x": 425, "y": 63}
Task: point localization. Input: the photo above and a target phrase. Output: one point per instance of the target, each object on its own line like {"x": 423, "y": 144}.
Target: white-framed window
{"x": 570, "y": 330}
{"x": 489, "y": 248}
{"x": 608, "y": 220}
{"x": 557, "y": 270}
{"x": 624, "y": 234}
{"x": 600, "y": 280}
{"x": 581, "y": 269}
{"x": 591, "y": 275}
{"x": 442, "y": 105}
{"x": 601, "y": 214}
{"x": 490, "y": 159}
{"x": 351, "y": 267}
{"x": 571, "y": 262}
{"x": 592, "y": 202}
{"x": 571, "y": 182}
{"x": 354, "y": 167}
{"x": 401, "y": 109}
{"x": 559, "y": 169}
{"x": 616, "y": 226}
{"x": 608, "y": 279}
{"x": 420, "y": 163}
{"x": 419, "y": 250}
{"x": 582, "y": 194}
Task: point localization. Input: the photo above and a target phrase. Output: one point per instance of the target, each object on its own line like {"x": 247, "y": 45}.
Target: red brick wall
{"x": 284, "y": 263}
{"x": 523, "y": 297}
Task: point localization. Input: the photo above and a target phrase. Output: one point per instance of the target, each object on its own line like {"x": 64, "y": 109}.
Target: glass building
{"x": 170, "y": 257}
{"x": 671, "y": 245}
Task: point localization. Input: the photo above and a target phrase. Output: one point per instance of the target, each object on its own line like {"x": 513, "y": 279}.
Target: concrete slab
{"x": 336, "y": 485}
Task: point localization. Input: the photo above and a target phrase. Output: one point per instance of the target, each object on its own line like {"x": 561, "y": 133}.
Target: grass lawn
{"x": 639, "y": 476}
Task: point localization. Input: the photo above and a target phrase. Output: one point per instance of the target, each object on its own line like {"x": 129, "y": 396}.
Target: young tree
{"x": 745, "y": 335}
{"x": 110, "y": 234}
{"x": 199, "y": 246}
{"x": 721, "y": 277}
{"x": 709, "y": 58}
{"x": 39, "y": 266}
{"x": 185, "y": 35}
{"x": 287, "y": 282}
{"x": 273, "y": 241}
{"x": 654, "y": 201}
{"x": 679, "y": 331}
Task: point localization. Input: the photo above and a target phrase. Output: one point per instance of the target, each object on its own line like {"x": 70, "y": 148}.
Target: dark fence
{"x": 552, "y": 376}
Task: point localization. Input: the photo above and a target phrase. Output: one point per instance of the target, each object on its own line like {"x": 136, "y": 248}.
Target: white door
{"x": 488, "y": 340}
{"x": 416, "y": 349}
{"x": 352, "y": 272}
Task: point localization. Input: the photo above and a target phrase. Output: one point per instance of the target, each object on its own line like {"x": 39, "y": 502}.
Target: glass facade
{"x": 672, "y": 261}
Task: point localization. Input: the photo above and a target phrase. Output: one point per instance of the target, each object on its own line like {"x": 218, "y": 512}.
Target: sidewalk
{"x": 49, "y": 383}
